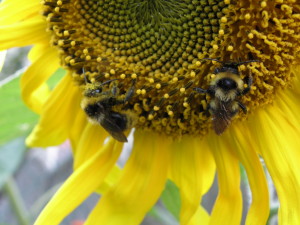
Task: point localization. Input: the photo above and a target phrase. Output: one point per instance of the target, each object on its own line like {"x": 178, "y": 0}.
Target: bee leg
{"x": 114, "y": 90}
{"x": 249, "y": 84}
{"x": 200, "y": 90}
{"x": 207, "y": 112}
{"x": 217, "y": 70}
{"x": 243, "y": 107}
{"x": 129, "y": 94}
{"x": 210, "y": 90}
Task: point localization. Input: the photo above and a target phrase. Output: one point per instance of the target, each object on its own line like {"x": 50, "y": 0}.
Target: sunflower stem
{"x": 16, "y": 200}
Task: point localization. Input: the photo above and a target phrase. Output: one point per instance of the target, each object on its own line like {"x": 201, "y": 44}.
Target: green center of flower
{"x": 154, "y": 48}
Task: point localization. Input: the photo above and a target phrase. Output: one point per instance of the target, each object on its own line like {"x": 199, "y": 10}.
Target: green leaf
{"x": 56, "y": 77}
{"x": 162, "y": 215}
{"x": 11, "y": 156}
{"x": 171, "y": 199}
{"x": 15, "y": 118}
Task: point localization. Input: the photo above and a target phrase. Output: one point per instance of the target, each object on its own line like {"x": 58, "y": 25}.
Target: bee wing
{"x": 221, "y": 119}
{"x": 112, "y": 128}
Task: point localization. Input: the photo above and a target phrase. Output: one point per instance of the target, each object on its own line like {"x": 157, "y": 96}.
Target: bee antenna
{"x": 249, "y": 61}
{"x": 213, "y": 60}
{"x": 85, "y": 78}
{"x": 109, "y": 81}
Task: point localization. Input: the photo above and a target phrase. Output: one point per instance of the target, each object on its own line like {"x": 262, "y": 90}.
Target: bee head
{"x": 95, "y": 89}
{"x": 92, "y": 90}
{"x": 227, "y": 84}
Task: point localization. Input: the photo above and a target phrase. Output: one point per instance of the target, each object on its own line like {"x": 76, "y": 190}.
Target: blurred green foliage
{"x": 15, "y": 118}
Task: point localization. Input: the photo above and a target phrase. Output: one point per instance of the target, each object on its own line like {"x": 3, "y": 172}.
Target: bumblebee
{"x": 99, "y": 107}
{"x": 225, "y": 89}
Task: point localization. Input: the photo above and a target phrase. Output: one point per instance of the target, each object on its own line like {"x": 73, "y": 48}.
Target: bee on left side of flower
{"x": 99, "y": 107}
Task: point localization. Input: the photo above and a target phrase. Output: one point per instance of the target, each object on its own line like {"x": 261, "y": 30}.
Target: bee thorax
{"x": 225, "y": 96}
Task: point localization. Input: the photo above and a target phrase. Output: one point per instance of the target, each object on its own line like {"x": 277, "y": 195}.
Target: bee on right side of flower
{"x": 225, "y": 89}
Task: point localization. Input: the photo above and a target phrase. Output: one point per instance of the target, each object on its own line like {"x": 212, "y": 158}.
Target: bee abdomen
{"x": 119, "y": 120}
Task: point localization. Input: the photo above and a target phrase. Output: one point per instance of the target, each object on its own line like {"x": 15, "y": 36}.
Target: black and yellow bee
{"x": 225, "y": 89}
{"x": 99, "y": 107}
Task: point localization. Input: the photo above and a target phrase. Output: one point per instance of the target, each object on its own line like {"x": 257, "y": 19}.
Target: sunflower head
{"x": 155, "y": 50}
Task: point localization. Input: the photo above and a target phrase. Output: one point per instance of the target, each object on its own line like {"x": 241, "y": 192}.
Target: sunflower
{"x": 155, "y": 66}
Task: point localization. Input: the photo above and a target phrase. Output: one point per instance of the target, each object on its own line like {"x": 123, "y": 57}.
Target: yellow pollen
{"x": 182, "y": 90}
{"x": 224, "y": 19}
{"x": 138, "y": 91}
{"x": 250, "y": 35}
{"x": 60, "y": 43}
{"x": 171, "y": 113}
{"x": 175, "y": 79}
{"x": 122, "y": 76}
{"x": 230, "y": 48}
{"x": 66, "y": 33}
{"x": 85, "y": 51}
{"x": 247, "y": 16}
{"x": 166, "y": 95}
{"x": 112, "y": 71}
{"x": 151, "y": 80}
{"x": 72, "y": 61}
{"x": 156, "y": 108}
{"x": 107, "y": 75}
{"x": 59, "y": 2}
{"x": 263, "y": 4}
{"x": 133, "y": 76}
{"x": 158, "y": 86}
{"x": 143, "y": 92}
{"x": 215, "y": 47}
{"x": 221, "y": 32}
{"x": 99, "y": 59}
{"x": 204, "y": 104}
{"x": 193, "y": 74}
{"x": 242, "y": 67}
{"x": 150, "y": 117}
{"x": 185, "y": 104}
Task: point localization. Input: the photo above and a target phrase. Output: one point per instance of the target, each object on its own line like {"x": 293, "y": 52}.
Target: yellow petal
{"x": 192, "y": 170}
{"x": 77, "y": 129}
{"x": 33, "y": 87}
{"x": 245, "y": 149}
{"x": 80, "y": 184}
{"x": 228, "y": 206}
{"x": 23, "y": 34}
{"x": 59, "y": 113}
{"x": 277, "y": 132}
{"x": 38, "y": 50}
{"x": 140, "y": 185}
{"x": 110, "y": 180}
{"x": 11, "y": 14}
{"x": 91, "y": 140}
{"x": 201, "y": 217}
